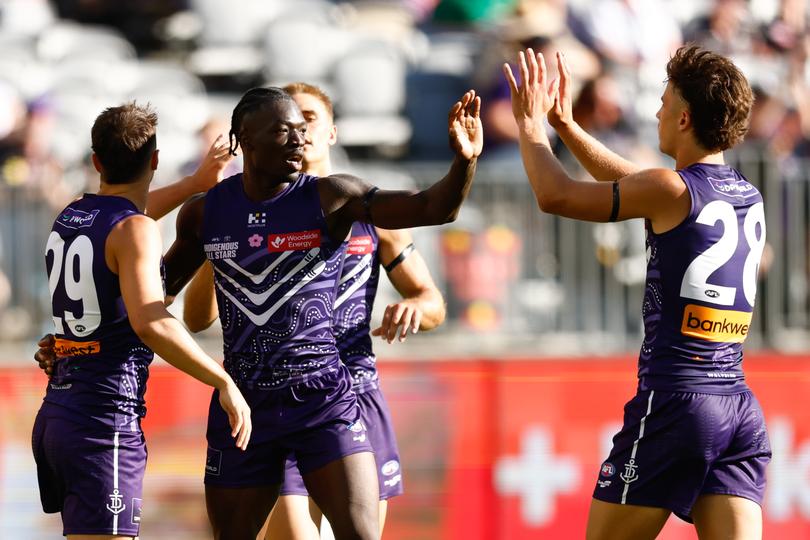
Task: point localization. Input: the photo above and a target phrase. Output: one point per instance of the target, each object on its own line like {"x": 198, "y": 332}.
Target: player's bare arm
{"x": 655, "y": 194}
{"x": 186, "y": 254}
{"x": 348, "y": 199}
{"x": 200, "y": 308}
{"x": 133, "y": 251}
{"x": 422, "y": 306}
{"x": 600, "y": 162}
{"x": 163, "y": 200}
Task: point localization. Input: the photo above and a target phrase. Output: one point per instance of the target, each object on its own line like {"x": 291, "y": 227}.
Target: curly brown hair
{"x": 717, "y": 93}
{"x": 123, "y": 139}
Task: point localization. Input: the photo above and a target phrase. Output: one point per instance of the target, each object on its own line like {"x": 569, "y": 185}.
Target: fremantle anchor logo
{"x": 116, "y": 504}
{"x": 629, "y": 475}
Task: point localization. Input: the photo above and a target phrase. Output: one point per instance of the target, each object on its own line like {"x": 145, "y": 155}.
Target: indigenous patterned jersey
{"x": 701, "y": 286}
{"x": 102, "y": 365}
{"x": 355, "y": 300}
{"x": 276, "y": 272}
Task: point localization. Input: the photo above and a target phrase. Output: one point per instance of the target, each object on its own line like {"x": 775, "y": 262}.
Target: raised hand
{"x": 238, "y": 413}
{"x": 561, "y": 114}
{"x": 535, "y": 96}
{"x": 398, "y": 319}
{"x": 211, "y": 168}
{"x": 464, "y": 124}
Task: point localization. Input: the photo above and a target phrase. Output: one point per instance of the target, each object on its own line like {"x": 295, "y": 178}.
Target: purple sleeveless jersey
{"x": 102, "y": 365}
{"x": 276, "y": 272}
{"x": 355, "y": 301}
{"x": 701, "y": 286}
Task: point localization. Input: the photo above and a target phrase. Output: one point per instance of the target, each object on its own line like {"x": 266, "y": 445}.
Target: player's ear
{"x": 97, "y": 163}
{"x": 154, "y": 161}
{"x": 333, "y": 135}
{"x": 685, "y": 120}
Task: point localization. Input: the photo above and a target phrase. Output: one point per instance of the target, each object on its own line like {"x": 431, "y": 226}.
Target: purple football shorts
{"x": 93, "y": 476}
{"x": 376, "y": 418}
{"x": 317, "y": 420}
{"x": 675, "y": 447}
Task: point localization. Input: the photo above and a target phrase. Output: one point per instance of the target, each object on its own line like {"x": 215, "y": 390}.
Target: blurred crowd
{"x": 393, "y": 67}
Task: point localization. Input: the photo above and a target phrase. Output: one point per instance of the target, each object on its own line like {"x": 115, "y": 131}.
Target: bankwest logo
{"x": 65, "y": 347}
{"x": 360, "y": 245}
{"x": 715, "y": 324}
{"x": 294, "y": 241}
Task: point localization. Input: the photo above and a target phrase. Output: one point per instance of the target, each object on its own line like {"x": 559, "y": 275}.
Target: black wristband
{"x": 367, "y": 203}
{"x": 614, "y": 212}
{"x": 399, "y": 258}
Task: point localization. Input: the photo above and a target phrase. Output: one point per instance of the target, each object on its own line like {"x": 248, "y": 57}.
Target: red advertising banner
{"x": 490, "y": 449}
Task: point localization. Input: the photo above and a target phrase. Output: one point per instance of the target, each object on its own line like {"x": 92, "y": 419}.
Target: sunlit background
{"x": 504, "y": 413}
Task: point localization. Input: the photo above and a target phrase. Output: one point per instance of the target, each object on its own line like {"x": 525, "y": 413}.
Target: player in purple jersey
{"x": 277, "y": 239}
{"x": 103, "y": 258}
{"x": 294, "y": 515}
{"x": 694, "y": 439}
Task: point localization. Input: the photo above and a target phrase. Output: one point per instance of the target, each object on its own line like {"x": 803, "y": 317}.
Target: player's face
{"x": 669, "y": 117}
{"x": 273, "y": 139}
{"x": 321, "y": 131}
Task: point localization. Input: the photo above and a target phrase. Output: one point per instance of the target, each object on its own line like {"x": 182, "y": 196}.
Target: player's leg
{"x": 383, "y": 514}
{"x": 238, "y": 513}
{"x": 377, "y": 419}
{"x": 347, "y": 492}
{"x": 727, "y": 517}
{"x": 294, "y": 516}
{"x": 610, "y": 521}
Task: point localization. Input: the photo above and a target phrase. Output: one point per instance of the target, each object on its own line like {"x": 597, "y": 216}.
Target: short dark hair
{"x": 123, "y": 139}
{"x": 252, "y": 100}
{"x": 717, "y": 93}
{"x": 312, "y": 90}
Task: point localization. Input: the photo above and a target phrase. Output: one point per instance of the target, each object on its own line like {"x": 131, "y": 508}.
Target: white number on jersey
{"x": 80, "y": 286}
{"x": 695, "y": 284}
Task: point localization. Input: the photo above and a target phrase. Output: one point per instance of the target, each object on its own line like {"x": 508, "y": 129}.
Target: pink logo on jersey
{"x": 360, "y": 245}
{"x": 255, "y": 241}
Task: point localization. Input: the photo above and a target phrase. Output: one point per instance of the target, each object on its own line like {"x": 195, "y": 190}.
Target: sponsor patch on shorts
{"x": 213, "y": 462}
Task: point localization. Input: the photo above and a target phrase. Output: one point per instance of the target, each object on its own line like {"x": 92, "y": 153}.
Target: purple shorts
{"x": 94, "y": 477}
{"x": 318, "y": 421}
{"x": 675, "y": 447}
{"x": 376, "y": 418}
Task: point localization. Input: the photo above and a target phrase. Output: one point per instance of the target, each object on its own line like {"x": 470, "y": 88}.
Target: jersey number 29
{"x": 77, "y": 267}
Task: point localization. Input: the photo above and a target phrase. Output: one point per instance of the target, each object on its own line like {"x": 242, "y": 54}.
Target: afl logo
{"x": 711, "y": 293}
{"x": 390, "y": 467}
{"x": 607, "y": 469}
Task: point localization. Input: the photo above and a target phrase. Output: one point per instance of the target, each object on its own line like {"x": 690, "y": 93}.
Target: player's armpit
{"x": 200, "y": 307}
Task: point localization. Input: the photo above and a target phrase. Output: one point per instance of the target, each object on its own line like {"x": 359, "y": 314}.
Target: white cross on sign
{"x": 536, "y": 475}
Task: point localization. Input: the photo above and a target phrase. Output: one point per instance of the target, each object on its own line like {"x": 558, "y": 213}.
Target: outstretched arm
{"x": 656, "y": 194}
{"x": 600, "y": 162}
{"x": 200, "y": 307}
{"x": 133, "y": 251}
{"x": 346, "y": 199}
{"x": 422, "y": 306}
{"x": 163, "y": 200}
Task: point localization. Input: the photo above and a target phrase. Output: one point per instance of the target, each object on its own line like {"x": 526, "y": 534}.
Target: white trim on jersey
{"x": 260, "y": 298}
{"x": 259, "y": 319}
{"x": 365, "y": 261}
{"x": 354, "y": 286}
{"x": 258, "y": 278}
